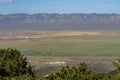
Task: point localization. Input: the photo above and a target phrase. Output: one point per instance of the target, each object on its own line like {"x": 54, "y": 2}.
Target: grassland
{"x": 71, "y": 47}
{"x": 67, "y": 45}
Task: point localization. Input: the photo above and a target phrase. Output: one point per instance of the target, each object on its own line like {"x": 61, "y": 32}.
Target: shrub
{"x": 12, "y": 63}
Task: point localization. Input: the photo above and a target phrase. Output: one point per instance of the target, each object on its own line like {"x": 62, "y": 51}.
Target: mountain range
{"x": 76, "y": 21}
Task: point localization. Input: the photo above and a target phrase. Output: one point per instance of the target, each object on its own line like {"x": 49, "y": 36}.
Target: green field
{"x": 67, "y": 46}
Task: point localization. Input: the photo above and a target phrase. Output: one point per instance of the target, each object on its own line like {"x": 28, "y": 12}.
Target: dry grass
{"x": 46, "y": 35}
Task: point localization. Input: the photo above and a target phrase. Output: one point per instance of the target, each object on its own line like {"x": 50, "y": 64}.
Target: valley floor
{"x": 52, "y": 49}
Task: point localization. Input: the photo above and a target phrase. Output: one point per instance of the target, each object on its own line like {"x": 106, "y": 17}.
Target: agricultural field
{"x": 58, "y": 48}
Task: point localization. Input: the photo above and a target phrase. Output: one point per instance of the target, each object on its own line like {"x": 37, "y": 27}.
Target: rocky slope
{"x": 60, "y": 21}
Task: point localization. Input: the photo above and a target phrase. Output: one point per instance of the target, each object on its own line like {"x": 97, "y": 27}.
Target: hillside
{"x": 60, "y": 21}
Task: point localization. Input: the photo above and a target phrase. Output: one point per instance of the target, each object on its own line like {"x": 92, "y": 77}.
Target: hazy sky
{"x": 59, "y": 6}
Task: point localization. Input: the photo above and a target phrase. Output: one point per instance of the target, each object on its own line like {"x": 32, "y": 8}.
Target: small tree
{"x": 117, "y": 65}
{"x": 12, "y": 63}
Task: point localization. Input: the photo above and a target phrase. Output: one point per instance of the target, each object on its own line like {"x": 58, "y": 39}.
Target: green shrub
{"x": 75, "y": 73}
{"x": 12, "y": 63}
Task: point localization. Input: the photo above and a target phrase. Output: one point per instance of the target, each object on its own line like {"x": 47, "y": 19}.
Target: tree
{"x": 117, "y": 65}
{"x": 12, "y": 63}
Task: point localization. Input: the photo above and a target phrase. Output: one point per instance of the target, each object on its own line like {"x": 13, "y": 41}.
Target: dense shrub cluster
{"x": 75, "y": 73}
{"x": 12, "y": 64}
{"x": 82, "y": 73}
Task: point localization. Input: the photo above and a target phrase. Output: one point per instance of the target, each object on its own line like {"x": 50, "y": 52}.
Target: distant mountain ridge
{"x": 60, "y": 21}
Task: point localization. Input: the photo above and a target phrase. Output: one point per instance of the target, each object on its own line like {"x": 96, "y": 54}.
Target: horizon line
{"x": 58, "y": 13}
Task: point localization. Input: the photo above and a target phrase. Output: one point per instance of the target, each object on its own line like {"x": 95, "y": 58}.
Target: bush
{"x": 12, "y": 63}
{"x": 75, "y": 73}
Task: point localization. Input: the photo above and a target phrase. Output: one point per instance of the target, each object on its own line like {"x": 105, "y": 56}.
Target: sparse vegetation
{"x": 70, "y": 46}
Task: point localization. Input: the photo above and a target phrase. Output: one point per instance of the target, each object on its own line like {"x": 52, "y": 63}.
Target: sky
{"x": 59, "y": 6}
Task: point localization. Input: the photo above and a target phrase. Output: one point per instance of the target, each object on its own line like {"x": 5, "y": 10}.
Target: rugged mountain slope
{"x": 60, "y": 21}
